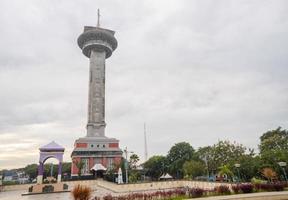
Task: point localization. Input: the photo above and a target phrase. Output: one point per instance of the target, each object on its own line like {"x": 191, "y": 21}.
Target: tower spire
{"x": 98, "y": 17}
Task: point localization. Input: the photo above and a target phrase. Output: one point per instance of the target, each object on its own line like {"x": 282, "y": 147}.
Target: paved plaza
{"x": 15, "y": 195}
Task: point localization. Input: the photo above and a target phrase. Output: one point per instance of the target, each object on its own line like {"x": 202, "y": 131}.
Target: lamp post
{"x": 237, "y": 165}
{"x": 126, "y": 162}
{"x": 283, "y": 165}
{"x": 206, "y": 162}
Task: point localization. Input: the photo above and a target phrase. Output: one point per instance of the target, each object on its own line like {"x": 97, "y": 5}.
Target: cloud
{"x": 195, "y": 71}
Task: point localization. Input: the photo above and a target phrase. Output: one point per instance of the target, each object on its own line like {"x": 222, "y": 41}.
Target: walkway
{"x": 252, "y": 196}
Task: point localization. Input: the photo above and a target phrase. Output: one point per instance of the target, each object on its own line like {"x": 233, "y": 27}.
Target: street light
{"x": 206, "y": 162}
{"x": 237, "y": 165}
{"x": 126, "y": 163}
{"x": 283, "y": 165}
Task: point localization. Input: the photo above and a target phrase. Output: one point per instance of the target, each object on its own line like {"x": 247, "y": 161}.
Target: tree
{"x": 250, "y": 166}
{"x": 134, "y": 159}
{"x": 177, "y": 156}
{"x": 222, "y": 153}
{"x": 134, "y": 176}
{"x": 79, "y": 165}
{"x": 31, "y": 170}
{"x": 66, "y": 167}
{"x": 155, "y": 166}
{"x": 193, "y": 168}
{"x": 274, "y": 148}
{"x": 205, "y": 154}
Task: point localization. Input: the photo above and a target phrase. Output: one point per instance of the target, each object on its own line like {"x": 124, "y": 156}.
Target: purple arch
{"x": 51, "y": 150}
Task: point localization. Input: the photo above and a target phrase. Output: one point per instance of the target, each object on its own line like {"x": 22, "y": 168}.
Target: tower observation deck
{"x": 97, "y": 44}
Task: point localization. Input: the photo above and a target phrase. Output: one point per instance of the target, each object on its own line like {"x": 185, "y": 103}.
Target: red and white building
{"x": 92, "y": 151}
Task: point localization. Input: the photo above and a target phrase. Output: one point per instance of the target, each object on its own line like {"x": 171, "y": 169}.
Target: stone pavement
{"x": 16, "y": 195}
{"x": 252, "y": 196}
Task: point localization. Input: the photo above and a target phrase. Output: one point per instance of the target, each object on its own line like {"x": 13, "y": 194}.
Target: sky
{"x": 198, "y": 71}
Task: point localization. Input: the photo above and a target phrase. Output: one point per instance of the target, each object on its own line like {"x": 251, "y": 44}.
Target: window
{"x": 85, "y": 169}
{"x": 110, "y": 163}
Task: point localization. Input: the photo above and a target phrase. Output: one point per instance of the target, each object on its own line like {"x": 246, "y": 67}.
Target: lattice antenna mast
{"x": 98, "y": 17}
{"x": 145, "y": 144}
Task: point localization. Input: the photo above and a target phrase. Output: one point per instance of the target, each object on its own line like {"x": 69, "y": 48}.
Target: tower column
{"x": 40, "y": 173}
{"x": 59, "y": 172}
{"x": 96, "y": 103}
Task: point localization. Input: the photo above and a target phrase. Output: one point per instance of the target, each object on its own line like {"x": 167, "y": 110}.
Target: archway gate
{"x": 51, "y": 150}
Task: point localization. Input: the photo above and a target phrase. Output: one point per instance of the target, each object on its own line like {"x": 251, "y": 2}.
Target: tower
{"x": 97, "y": 44}
{"x": 145, "y": 144}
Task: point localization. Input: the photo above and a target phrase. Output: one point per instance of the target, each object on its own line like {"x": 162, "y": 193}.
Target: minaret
{"x": 96, "y": 148}
{"x": 97, "y": 44}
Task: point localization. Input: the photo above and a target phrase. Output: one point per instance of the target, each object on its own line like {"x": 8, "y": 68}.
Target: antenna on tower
{"x": 98, "y": 17}
{"x": 145, "y": 144}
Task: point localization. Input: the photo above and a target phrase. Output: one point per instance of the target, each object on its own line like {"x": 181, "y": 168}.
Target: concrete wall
{"x": 156, "y": 185}
{"x": 128, "y": 187}
{"x": 90, "y": 183}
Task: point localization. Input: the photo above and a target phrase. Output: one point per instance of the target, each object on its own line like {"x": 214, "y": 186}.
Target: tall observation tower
{"x": 96, "y": 150}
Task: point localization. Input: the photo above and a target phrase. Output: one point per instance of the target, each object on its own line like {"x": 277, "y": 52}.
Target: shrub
{"x": 48, "y": 189}
{"x": 270, "y": 186}
{"x": 257, "y": 181}
{"x": 196, "y": 192}
{"x": 180, "y": 192}
{"x": 81, "y": 192}
{"x": 257, "y": 186}
{"x": 108, "y": 197}
{"x": 9, "y": 183}
{"x": 236, "y": 189}
{"x": 279, "y": 186}
{"x": 246, "y": 187}
{"x": 222, "y": 189}
{"x": 269, "y": 173}
{"x": 264, "y": 186}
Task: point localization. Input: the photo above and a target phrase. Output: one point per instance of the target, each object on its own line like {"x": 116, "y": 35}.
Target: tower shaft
{"x": 96, "y": 102}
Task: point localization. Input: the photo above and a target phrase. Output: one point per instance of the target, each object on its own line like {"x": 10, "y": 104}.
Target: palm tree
{"x": 224, "y": 170}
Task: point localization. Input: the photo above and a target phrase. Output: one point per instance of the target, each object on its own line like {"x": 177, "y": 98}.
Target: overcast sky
{"x": 197, "y": 71}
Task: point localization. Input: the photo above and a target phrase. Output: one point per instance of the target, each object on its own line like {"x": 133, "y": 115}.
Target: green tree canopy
{"x": 193, "y": 169}
{"x": 155, "y": 166}
{"x": 31, "y": 170}
{"x": 177, "y": 156}
{"x": 250, "y": 166}
{"x": 274, "y": 146}
{"x": 222, "y": 153}
{"x": 225, "y": 170}
{"x": 134, "y": 159}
